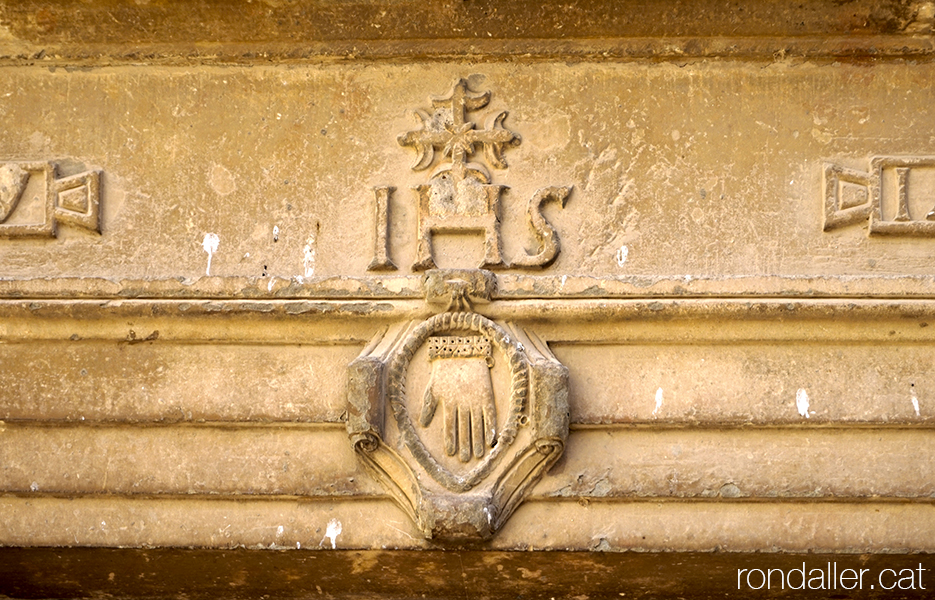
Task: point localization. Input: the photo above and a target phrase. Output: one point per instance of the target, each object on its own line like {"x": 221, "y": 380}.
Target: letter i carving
{"x": 381, "y": 243}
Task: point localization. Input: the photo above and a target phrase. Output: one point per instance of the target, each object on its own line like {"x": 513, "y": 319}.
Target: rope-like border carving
{"x": 519, "y": 388}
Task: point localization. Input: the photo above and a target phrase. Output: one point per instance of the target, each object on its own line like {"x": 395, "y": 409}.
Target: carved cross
{"x": 458, "y": 137}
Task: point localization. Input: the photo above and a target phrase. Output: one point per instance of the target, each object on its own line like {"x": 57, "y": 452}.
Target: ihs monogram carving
{"x": 896, "y": 195}
{"x": 33, "y": 202}
{"x": 461, "y": 196}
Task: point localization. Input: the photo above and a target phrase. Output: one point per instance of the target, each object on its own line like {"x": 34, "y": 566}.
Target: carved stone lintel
{"x": 33, "y": 202}
{"x": 527, "y": 439}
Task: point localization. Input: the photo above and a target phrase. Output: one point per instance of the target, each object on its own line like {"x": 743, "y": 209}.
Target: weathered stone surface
{"x": 280, "y": 460}
{"x": 736, "y": 382}
{"x": 138, "y": 381}
{"x": 616, "y": 463}
{"x": 735, "y": 526}
{"x": 608, "y": 464}
{"x": 737, "y": 160}
{"x": 119, "y": 30}
{"x": 705, "y": 230}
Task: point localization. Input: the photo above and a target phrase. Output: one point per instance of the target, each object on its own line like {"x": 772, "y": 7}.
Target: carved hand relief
{"x": 479, "y": 411}
{"x": 896, "y": 196}
{"x": 460, "y": 195}
{"x": 33, "y": 202}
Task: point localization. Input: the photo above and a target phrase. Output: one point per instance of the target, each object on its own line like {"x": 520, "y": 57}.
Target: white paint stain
{"x": 801, "y": 402}
{"x": 279, "y": 530}
{"x": 308, "y": 260}
{"x": 332, "y": 533}
{"x": 275, "y": 233}
{"x": 658, "y": 401}
{"x": 564, "y": 279}
{"x": 210, "y": 244}
{"x": 298, "y": 545}
{"x": 622, "y": 253}
{"x": 915, "y": 400}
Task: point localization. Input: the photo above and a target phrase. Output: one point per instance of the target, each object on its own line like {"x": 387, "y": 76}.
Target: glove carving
{"x": 460, "y": 382}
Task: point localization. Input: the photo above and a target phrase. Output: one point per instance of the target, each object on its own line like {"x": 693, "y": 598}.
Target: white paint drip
{"x": 210, "y": 244}
{"x": 332, "y": 533}
{"x": 915, "y": 401}
{"x": 275, "y": 233}
{"x": 658, "y": 401}
{"x": 801, "y": 402}
{"x": 622, "y": 253}
{"x": 309, "y": 256}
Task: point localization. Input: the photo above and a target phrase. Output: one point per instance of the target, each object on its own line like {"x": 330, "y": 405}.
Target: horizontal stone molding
{"x": 777, "y": 463}
{"x": 71, "y": 30}
{"x": 510, "y": 286}
{"x": 839, "y": 527}
{"x": 779, "y": 382}
{"x": 561, "y": 320}
{"x": 767, "y": 48}
{"x": 616, "y": 465}
{"x": 180, "y": 460}
{"x": 172, "y": 382}
{"x": 842, "y": 527}
{"x": 689, "y": 362}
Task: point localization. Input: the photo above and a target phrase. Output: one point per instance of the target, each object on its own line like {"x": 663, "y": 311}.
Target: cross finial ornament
{"x": 451, "y": 130}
